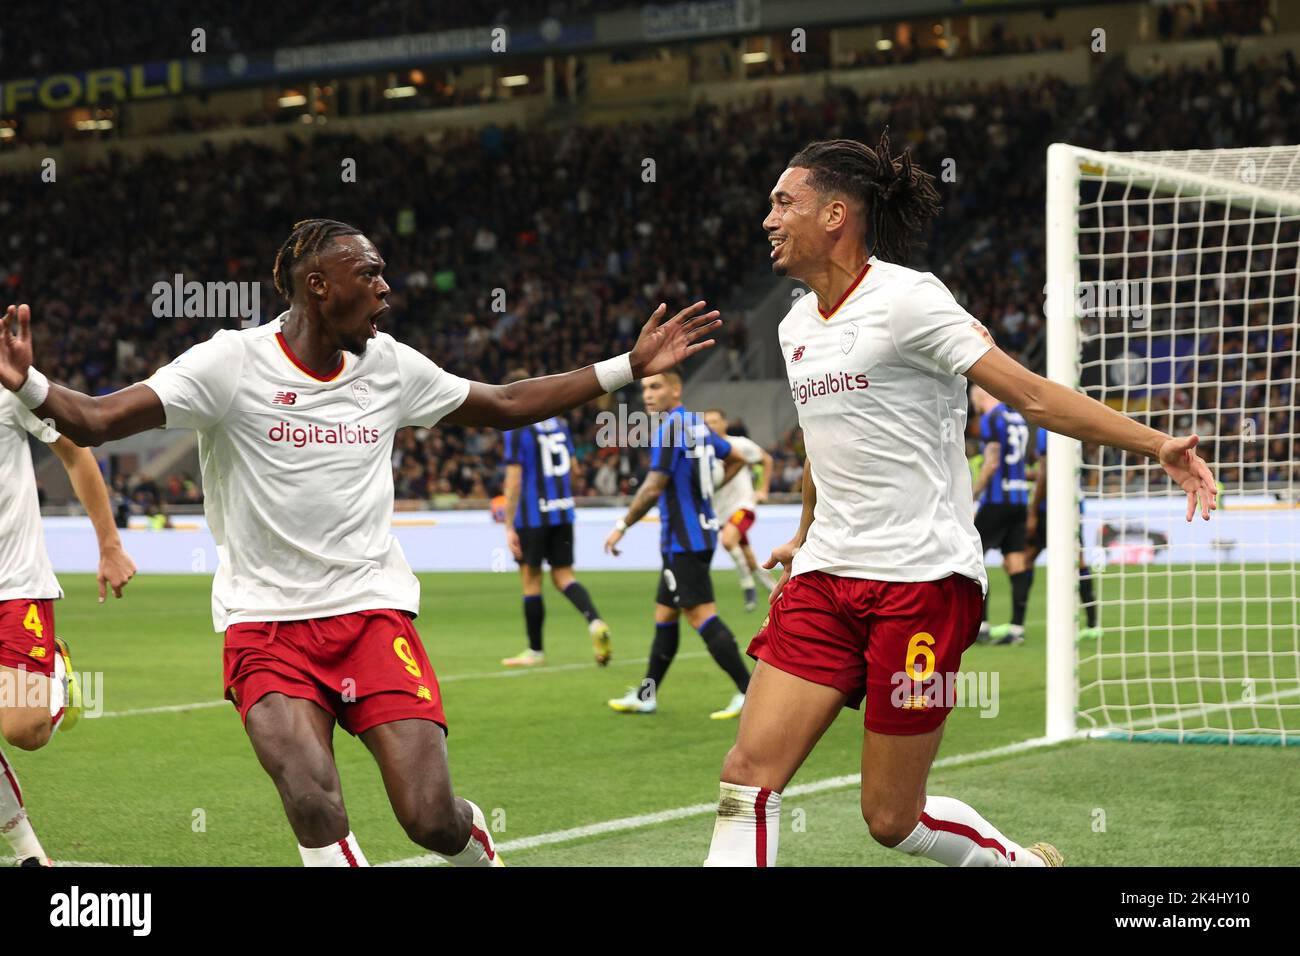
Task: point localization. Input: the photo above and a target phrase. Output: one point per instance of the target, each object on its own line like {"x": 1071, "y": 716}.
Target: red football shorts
{"x": 27, "y": 635}
{"x": 743, "y": 519}
{"x": 888, "y": 641}
{"x": 366, "y": 668}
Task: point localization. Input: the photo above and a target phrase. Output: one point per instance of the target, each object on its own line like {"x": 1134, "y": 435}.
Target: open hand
{"x": 1179, "y": 459}
{"x": 661, "y": 346}
{"x": 15, "y": 346}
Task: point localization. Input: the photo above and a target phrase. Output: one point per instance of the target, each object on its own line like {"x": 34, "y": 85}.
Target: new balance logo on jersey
{"x": 798, "y": 353}
{"x": 285, "y": 398}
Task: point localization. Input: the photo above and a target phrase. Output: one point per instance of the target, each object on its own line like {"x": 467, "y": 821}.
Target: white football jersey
{"x": 739, "y": 491}
{"x": 25, "y": 570}
{"x": 297, "y": 473}
{"x": 880, "y": 389}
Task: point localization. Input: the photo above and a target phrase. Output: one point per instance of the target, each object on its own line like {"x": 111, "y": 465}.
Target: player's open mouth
{"x": 777, "y": 242}
{"x": 374, "y": 321}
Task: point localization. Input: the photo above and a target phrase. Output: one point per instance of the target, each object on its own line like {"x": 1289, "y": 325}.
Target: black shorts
{"x": 685, "y": 581}
{"x": 550, "y": 543}
{"x": 1002, "y": 526}
{"x": 1039, "y": 539}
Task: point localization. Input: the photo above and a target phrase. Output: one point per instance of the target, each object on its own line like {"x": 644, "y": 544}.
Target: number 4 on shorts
{"x": 32, "y": 622}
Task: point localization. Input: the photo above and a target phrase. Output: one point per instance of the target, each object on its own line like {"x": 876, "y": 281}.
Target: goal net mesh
{"x": 1187, "y": 305}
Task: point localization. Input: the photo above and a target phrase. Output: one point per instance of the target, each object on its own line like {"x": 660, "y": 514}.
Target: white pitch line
{"x": 663, "y": 816}
{"x": 449, "y": 679}
{"x": 643, "y": 820}
{"x": 169, "y": 709}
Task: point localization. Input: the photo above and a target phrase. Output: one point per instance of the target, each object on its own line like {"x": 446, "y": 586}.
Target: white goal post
{"x": 1173, "y": 294}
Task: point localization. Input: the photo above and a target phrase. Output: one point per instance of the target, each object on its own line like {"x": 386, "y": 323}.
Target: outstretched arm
{"x": 659, "y": 348}
{"x": 83, "y": 419}
{"x": 1057, "y": 408}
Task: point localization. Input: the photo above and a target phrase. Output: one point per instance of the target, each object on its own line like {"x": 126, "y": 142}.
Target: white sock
{"x": 479, "y": 848}
{"x": 952, "y": 833}
{"x": 742, "y": 567}
{"x": 748, "y": 827}
{"x": 15, "y": 826}
{"x": 765, "y": 577}
{"x": 343, "y": 852}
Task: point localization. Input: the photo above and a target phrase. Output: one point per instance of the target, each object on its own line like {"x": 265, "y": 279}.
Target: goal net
{"x": 1172, "y": 295}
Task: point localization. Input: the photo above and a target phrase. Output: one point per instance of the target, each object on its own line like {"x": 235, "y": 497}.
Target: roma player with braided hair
{"x": 296, "y": 421}
{"x": 884, "y": 583}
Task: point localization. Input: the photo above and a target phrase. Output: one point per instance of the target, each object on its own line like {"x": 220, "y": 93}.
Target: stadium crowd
{"x": 545, "y": 249}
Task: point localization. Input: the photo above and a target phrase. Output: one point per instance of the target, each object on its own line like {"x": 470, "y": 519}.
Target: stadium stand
{"x": 521, "y": 210}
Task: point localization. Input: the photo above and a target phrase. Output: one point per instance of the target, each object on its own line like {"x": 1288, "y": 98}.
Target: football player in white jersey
{"x": 38, "y": 693}
{"x": 884, "y": 584}
{"x": 296, "y": 421}
{"x": 736, "y": 504}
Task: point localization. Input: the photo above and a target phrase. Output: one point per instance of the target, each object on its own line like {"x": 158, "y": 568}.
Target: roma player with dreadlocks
{"x": 884, "y": 583}
{"x": 296, "y": 421}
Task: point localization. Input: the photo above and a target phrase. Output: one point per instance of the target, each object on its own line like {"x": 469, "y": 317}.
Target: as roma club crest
{"x": 361, "y": 392}
{"x": 847, "y": 338}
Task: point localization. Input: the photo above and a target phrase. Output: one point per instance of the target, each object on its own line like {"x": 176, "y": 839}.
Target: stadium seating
{"x": 523, "y": 210}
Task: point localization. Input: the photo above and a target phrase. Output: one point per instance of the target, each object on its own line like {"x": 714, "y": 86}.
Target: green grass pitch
{"x": 541, "y": 753}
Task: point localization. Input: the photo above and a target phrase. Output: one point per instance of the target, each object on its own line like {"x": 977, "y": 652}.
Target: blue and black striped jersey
{"x": 545, "y": 451}
{"x": 685, "y": 449}
{"x": 1007, "y": 427}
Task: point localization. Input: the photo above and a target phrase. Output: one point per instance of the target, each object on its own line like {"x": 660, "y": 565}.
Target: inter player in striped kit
{"x": 38, "y": 692}
{"x": 1002, "y": 491}
{"x": 296, "y": 420}
{"x": 1036, "y": 542}
{"x": 539, "y": 527}
{"x": 884, "y": 581}
{"x": 680, "y": 480}
{"x": 735, "y": 501}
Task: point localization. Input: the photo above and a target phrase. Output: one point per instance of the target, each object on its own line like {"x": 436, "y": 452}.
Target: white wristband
{"x": 615, "y": 373}
{"x": 34, "y": 391}
{"x": 620, "y": 525}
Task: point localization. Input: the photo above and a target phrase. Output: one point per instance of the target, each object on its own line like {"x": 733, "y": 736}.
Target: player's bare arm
{"x": 733, "y": 462}
{"x": 784, "y": 554}
{"x": 765, "y": 485}
{"x": 115, "y": 566}
{"x": 992, "y": 461}
{"x": 85, "y": 420}
{"x": 660, "y": 346}
{"x": 1065, "y": 411}
{"x": 1037, "y": 497}
{"x": 645, "y": 499}
{"x": 514, "y": 482}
